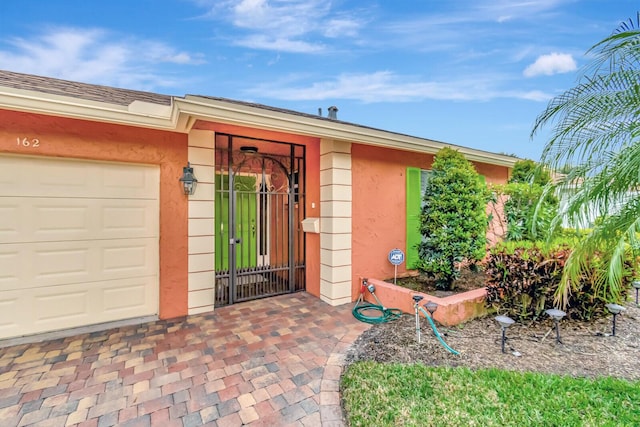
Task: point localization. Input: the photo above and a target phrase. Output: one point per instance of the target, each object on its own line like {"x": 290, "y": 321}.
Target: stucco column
{"x": 335, "y": 221}
{"x": 201, "y": 223}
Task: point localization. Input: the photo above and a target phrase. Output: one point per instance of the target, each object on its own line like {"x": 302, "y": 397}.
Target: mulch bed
{"x": 468, "y": 281}
{"x": 587, "y": 349}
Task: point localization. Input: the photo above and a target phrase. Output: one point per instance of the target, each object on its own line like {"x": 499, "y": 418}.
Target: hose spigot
{"x": 363, "y": 286}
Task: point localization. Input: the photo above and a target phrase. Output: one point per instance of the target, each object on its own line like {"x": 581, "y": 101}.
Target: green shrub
{"x": 523, "y": 278}
{"x": 527, "y": 171}
{"x": 520, "y": 211}
{"x": 453, "y": 220}
{"x": 525, "y": 189}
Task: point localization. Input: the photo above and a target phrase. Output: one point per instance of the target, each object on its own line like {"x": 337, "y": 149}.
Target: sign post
{"x": 396, "y": 257}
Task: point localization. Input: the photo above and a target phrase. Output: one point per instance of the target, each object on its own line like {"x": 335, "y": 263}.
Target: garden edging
{"x": 452, "y": 310}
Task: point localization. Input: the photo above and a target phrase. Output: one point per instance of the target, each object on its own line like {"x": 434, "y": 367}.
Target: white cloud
{"x": 279, "y": 44}
{"x": 532, "y": 95}
{"x": 504, "y": 10}
{"x": 341, "y": 27}
{"x": 284, "y": 25}
{"x": 386, "y": 86}
{"x": 553, "y": 63}
{"x": 94, "y": 56}
{"x": 159, "y": 52}
{"x": 290, "y": 18}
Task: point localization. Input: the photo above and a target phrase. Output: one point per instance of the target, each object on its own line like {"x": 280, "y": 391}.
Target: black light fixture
{"x": 504, "y": 322}
{"x": 416, "y": 301}
{"x": 188, "y": 180}
{"x": 614, "y": 309}
{"x": 249, "y": 149}
{"x": 636, "y": 285}
{"x": 431, "y": 307}
{"x": 557, "y": 316}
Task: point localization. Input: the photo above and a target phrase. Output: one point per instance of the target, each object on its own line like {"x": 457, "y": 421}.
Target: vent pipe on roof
{"x": 333, "y": 112}
{"x": 320, "y": 111}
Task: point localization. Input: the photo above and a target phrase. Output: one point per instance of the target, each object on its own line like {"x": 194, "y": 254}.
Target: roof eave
{"x": 245, "y": 115}
{"x": 137, "y": 114}
{"x": 183, "y": 112}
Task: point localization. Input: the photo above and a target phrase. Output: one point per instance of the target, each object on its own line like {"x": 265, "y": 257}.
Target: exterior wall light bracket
{"x": 188, "y": 180}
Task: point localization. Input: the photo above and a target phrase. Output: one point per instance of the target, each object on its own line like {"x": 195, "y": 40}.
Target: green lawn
{"x": 417, "y": 395}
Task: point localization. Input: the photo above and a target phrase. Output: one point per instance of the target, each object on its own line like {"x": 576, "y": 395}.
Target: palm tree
{"x": 596, "y": 136}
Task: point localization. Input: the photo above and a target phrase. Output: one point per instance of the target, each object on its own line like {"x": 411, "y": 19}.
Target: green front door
{"x": 245, "y": 222}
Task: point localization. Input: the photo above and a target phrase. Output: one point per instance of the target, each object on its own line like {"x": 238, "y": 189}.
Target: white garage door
{"x": 78, "y": 243}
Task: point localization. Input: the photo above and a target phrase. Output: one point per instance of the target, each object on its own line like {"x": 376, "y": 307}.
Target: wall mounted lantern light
{"x": 188, "y": 180}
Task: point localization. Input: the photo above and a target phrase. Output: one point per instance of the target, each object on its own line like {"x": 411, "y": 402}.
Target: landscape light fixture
{"x": 188, "y": 180}
{"x": 416, "y": 301}
{"x": 636, "y": 285}
{"x": 504, "y": 322}
{"x": 431, "y": 307}
{"x": 557, "y": 316}
{"x": 614, "y": 309}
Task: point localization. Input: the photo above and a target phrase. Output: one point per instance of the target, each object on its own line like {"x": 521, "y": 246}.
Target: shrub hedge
{"x": 524, "y": 276}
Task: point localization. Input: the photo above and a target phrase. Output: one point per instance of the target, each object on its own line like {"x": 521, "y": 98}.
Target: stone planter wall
{"x": 452, "y": 310}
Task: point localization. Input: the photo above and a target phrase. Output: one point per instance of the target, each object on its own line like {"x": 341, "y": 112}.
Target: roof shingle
{"x": 110, "y": 95}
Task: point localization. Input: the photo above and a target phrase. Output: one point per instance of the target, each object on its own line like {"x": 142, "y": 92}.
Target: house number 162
{"x": 26, "y": 142}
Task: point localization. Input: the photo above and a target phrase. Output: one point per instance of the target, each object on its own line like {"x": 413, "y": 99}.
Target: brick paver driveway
{"x": 270, "y": 362}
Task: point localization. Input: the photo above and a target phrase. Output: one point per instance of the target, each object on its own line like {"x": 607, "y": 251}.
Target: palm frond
{"x": 595, "y": 128}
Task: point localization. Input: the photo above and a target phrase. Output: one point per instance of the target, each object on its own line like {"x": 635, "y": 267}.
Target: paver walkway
{"x": 270, "y": 362}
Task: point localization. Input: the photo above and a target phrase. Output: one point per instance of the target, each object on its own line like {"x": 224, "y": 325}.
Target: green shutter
{"x": 414, "y": 201}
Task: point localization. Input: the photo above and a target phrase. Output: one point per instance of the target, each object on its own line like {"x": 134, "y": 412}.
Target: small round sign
{"x": 396, "y": 256}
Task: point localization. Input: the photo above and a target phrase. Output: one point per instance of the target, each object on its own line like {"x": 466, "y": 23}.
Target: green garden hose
{"x": 436, "y": 333}
{"x": 386, "y": 314}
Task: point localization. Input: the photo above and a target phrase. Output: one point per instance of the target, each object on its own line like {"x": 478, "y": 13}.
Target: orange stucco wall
{"x": 379, "y": 206}
{"x": 62, "y": 137}
{"x": 312, "y": 197}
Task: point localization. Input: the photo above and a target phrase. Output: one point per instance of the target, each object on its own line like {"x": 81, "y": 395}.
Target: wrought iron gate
{"x": 259, "y": 206}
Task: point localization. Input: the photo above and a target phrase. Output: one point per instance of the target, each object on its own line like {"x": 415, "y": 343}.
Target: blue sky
{"x": 471, "y": 73}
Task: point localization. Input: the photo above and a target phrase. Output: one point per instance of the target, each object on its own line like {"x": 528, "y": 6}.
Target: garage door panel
{"x": 10, "y": 266}
{"x": 125, "y": 298}
{"x": 58, "y": 218}
{"x": 130, "y": 219}
{"x": 95, "y": 302}
{"x": 56, "y": 263}
{"x": 79, "y": 243}
{"x": 63, "y": 306}
{"x": 47, "y": 177}
{"x": 10, "y": 313}
{"x": 125, "y": 181}
{"x": 38, "y": 310}
{"x": 53, "y": 263}
{"x": 46, "y": 219}
{"x": 9, "y": 220}
{"x": 133, "y": 259}
{"x": 53, "y": 177}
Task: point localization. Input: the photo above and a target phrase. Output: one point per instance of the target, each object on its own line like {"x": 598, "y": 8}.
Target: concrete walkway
{"x": 270, "y": 362}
